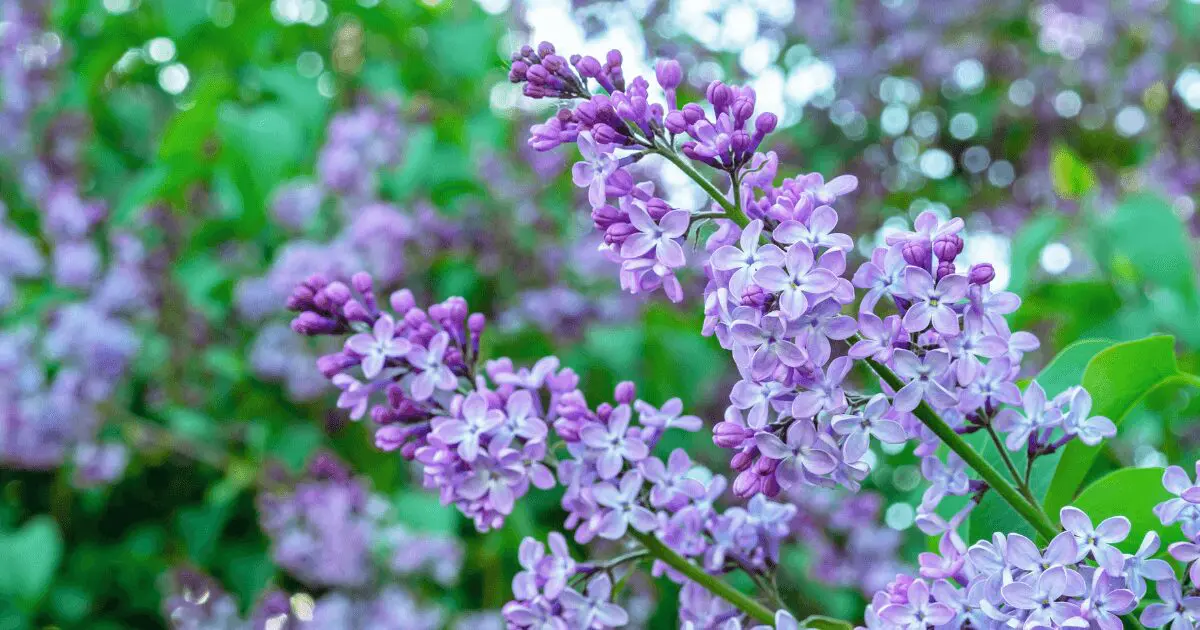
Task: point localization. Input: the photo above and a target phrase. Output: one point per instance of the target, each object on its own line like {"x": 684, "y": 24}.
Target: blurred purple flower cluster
{"x": 61, "y": 359}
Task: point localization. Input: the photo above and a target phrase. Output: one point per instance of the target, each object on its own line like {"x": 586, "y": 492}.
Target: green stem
{"x": 1008, "y": 462}
{"x": 712, "y": 583}
{"x": 1029, "y": 510}
{"x": 732, "y": 212}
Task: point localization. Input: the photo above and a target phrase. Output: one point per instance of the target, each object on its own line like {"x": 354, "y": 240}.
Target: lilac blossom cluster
{"x": 483, "y": 437}
{"x": 55, "y": 375}
{"x": 334, "y": 536}
{"x": 778, "y": 286}
{"x": 361, "y": 144}
{"x": 1080, "y": 579}
{"x": 328, "y": 529}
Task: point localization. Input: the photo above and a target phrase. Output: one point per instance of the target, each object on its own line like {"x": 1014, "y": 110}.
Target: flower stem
{"x": 732, "y": 212}
{"x": 1029, "y": 510}
{"x": 711, "y": 583}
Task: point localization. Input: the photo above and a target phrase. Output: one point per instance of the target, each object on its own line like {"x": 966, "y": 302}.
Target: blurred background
{"x": 170, "y": 456}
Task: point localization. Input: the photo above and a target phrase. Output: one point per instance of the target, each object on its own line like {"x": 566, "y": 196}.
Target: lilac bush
{"x": 933, "y": 334}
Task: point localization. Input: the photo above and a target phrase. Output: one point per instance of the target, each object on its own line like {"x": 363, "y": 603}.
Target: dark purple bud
{"x": 719, "y": 95}
{"x": 692, "y": 113}
{"x": 730, "y": 434}
{"x": 743, "y": 460}
{"x": 765, "y": 465}
{"x": 770, "y": 486}
{"x": 981, "y": 274}
{"x": 948, "y": 247}
{"x": 310, "y": 323}
{"x": 625, "y": 392}
{"x": 605, "y": 134}
{"x": 743, "y": 109}
{"x": 355, "y": 311}
{"x": 516, "y": 73}
{"x": 337, "y": 293}
{"x": 614, "y": 58}
{"x": 747, "y": 484}
{"x": 476, "y": 323}
{"x": 332, "y": 364}
{"x": 945, "y": 268}
{"x": 916, "y": 253}
{"x": 669, "y": 73}
{"x": 588, "y": 67}
{"x": 676, "y": 122}
{"x": 402, "y": 301}
{"x": 545, "y": 48}
{"x": 765, "y": 123}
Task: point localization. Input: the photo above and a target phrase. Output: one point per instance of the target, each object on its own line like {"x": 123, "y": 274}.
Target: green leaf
{"x": 1133, "y": 493}
{"x": 1118, "y": 379}
{"x": 182, "y": 16}
{"x": 993, "y": 514}
{"x": 1071, "y": 176}
{"x": 263, "y": 141}
{"x": 30, "y": 557}
{"x": 817, "y": 622}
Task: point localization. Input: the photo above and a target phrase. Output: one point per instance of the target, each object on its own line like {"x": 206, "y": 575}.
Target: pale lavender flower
{"x": 466, "y": 431}
{"x": 797, "y": 280}
{"x": 922, "y": 374}
{"x": 800, "y": 453}
{"x": 594, "y": 610}
{"x": 816, "y": 232}
{"x": 658, "y": 236}
{"x": 1096, "y": 541}
{"x": 1037, "y": 416}
{"x": 623, "y": 508}
{"x": 613, "y": 443}
{"x": 434, "y": 373}
{"x": 1041, "y": 597}
{"x": 870, "y": 420}
{"x": 1142, "y": 565}
{"x": 1077, "y": 421}
{"x": 917, "y": 611}
{"x": 1174, "y": 609}
{"x": 1107, "y": 601}
{"x": 672, "y": 488}
{"x": 933, "y": 302}
{"x": 379, "y": 345}
{"x": 597, "y": 166}
{"x": 745, "y": 261}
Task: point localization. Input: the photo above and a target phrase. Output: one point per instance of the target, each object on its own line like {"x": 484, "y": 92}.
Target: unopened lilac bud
{"x": 740, "y": 141}
{"x": 669, "y": 73}
{"x": 719, "y": 95}
{"x": 766, "y": 465}
{"x": 746, "y": 484}
{"x": 605, "y": 134}
{"x": 743, "y": 460}
{"x": 916, "y": 253}
{"x": 742, "y": 109}
{"x": 625, "y": 392}
{"x": 402, "y": 301}
{"x": 692, "y": 113}
{"x": 588, "y": 67}
{"x": 310, "y": 323}
{"x": 770, "y": 486}
{"x": 361, "y": 282}
{"x": 355, "y": 311}
{"x": 945, "y": 268}
{"x": 516, "y": 72}
{"x": 676, "y": 122}
{"x": 981, "y": 274}
{"x": 476, "y": 323}
{"x": 765, "y": 123}
{"x": 948, "y": 247}
{"x": 614, "y": 58}
{"x": 565, "y": 381}
{"x": 730, "y": 434}
{"x": 337, "y": 293}
{"x": 545, "y": 48}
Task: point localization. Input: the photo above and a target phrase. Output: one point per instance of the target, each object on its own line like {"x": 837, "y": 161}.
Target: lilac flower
{"x": 1041, "y": 597}
{"x": 379, "y": 345}
{"x": 746, "y": 261}
{"x": 613, "y": 443}
{"x": 520, "y": 420}
{"x": 797, "y": 280}
{"x": 816, "y": 232}
{"x": 1107, "y": 602}
{"x": 1175, "y": 609}
{"x": 769, "y": 341}
{"x": 1076, "y": 421}
{"x": 1061, "y": 551}
{"x": 354, "y": 396}
{"x": 659, "y": 236}
{"x": 868, "y": 421}
{"x": 672, "y": 487}
{"x": 492, "y": 479}
{"x": 1037, "y": 416}
{"x": 1097, "y": 541}
{"x": 877, "y": 337}
{"x": 597, "y": 166}
{"x": 824, "y": 392}
{"x": 434, "y": 373}
{"x": 1184, "y": 507}
{"x": 669, "y": 416}
{"x": 475, "y": 420}
{"x": 1187, "y": 553}
{"x": 932, "y": 302}
{"x": 594, "y": 609}
{"x": 948, "y": 477}
{"x": 917, "y": 611}
{"x": 922, "y": 375}
{"x": 623, "y": 507}
{"x": 800, "y": 453}
{"x": 1142, "y": 565}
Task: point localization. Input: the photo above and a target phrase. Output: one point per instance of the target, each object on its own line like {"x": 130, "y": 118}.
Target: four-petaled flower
{"x": 933, "y": 302}
{"x": 613, "y": 444}
{"x": 659, "y": 236}
{"x": 587, "y": 611}
{"x": 801, "y": 452}
{"x": 475, "y": 420}
{"x": 746, "y": 261}
{"x": 796, "y": 280}
{"x": 379, "y": 345}
{"x": 434, "y": 373}
{"x": 623, "y": 509}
